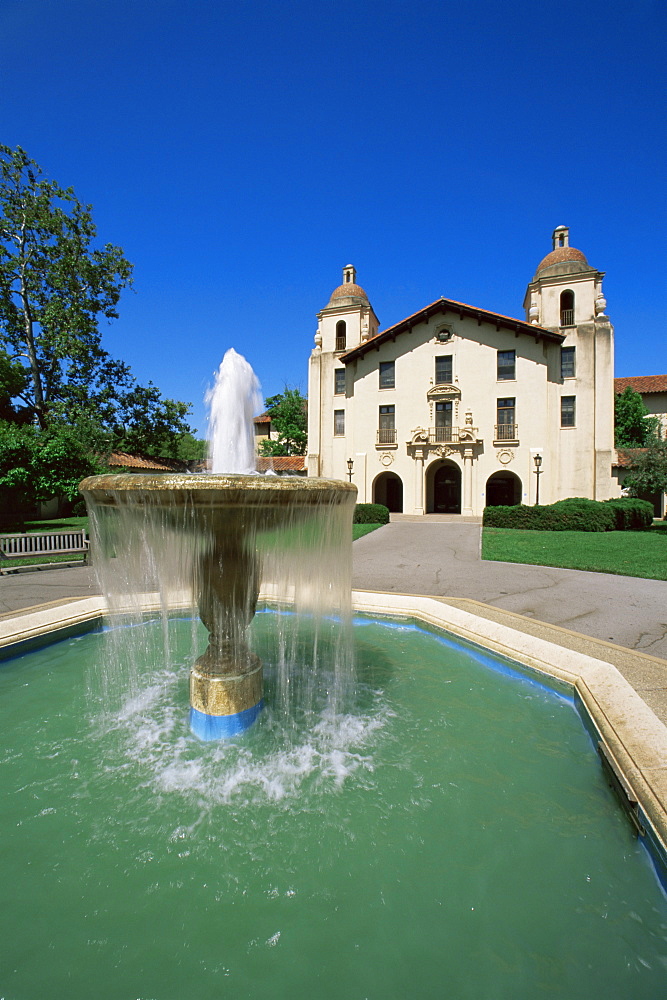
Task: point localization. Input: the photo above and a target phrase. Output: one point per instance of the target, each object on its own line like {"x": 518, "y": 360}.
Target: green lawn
{"x": 626, "y": 553}
{"x": 359, "y": 530}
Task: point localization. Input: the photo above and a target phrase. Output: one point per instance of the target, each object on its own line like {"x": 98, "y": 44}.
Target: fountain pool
{"x": 447, "y": 832}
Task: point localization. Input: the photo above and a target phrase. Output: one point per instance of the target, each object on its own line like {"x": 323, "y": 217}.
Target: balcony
{"x": 443, "y": 435}
{"x": 507, "y": 432}
{"x": 567, "y": 317}
{"x": 386, "y": 436}
{"x": 340, "y": 343}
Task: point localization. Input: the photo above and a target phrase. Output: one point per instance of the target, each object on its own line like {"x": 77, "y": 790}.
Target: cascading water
{"x": 216, "y": 540}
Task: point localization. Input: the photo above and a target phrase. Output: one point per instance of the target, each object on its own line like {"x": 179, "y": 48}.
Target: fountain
{"x": 219, "y": 519}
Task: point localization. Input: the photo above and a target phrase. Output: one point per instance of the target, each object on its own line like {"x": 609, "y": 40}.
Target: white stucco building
{"x": 447, "y": 410}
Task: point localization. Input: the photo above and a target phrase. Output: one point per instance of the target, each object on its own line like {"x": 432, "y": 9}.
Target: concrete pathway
{"x": 443, "y": 560}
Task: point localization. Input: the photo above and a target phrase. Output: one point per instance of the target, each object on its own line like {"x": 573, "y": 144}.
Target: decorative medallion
{"x": 386, "y": 458}
{"x": 505, "y": 457}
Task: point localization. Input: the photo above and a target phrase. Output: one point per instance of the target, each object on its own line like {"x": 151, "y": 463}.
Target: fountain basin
{"x": 304, "y": 877}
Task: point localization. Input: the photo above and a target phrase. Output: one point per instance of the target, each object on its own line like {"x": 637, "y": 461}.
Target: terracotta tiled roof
{"x": 121, "y": 459}
{"x": 641, "y": 383}
{"x": 348, "y": 290}
{"x": 444, "y": 305}
{"x": 560, "y": 256}
{"x": 263, "y": 418}
{"x": 282, "y": 463}
{"x": 627, "y": 457}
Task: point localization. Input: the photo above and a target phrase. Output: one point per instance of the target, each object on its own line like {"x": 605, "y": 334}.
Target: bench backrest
{"x": 44, "y": 541}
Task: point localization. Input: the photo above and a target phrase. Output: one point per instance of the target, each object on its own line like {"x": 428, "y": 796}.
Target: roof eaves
{"x": 444, "y": 305}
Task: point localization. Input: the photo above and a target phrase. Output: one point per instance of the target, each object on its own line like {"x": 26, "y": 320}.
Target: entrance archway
{"x": 503, "y": 489}
{"x": 445, "y": 495}
{"x": 388, "y": 490}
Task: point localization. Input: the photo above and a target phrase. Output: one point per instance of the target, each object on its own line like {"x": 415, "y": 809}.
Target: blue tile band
{"x": 220, "y": 727}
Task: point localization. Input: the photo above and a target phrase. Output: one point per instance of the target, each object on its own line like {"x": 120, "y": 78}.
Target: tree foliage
{"x": 36, "y": 465}
{"x": 648, "y": 475}
{"x": 56, "y": 285}
{"x": 634, "y": 427}
{"x": 289, "y": 418}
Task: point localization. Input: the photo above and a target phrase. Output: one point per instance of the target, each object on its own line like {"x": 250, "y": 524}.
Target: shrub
{"x": 370, "y": 513}
{"x": 631, "y": 514}
{"x": 578, "y": 514}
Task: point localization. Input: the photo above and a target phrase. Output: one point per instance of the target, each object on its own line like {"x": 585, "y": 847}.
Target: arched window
{"x": 341, "y": 334}
{"x": 567, "y": 308}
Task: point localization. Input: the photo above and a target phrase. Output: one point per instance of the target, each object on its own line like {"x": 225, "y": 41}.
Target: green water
{"x": 448, "y": 836}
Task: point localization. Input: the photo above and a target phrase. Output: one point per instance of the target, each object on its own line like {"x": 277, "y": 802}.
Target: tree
{"x": 634, "y": 427}
{"x": 289, "y": 417}
{"x": 37, "y": 465}
{"x": 648, "y": 474}
{"x": 55, "y": 287}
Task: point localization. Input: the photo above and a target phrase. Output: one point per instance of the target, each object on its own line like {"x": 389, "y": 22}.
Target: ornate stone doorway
{"x": 446, "y": 490}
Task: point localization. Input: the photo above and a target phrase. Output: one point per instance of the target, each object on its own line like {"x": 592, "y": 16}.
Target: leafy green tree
{"x": 12, "y": 384}
{"x": 649, "y": 471}
{"x": 37, "y": 465}
{"x": 56, "y": 285}
{"x": 634, "y": 427}
{"x": 289, "y": 417}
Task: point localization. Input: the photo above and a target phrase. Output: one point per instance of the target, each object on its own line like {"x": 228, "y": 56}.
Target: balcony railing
{"x": 438, "y": 435}
{"x": 386, "y": 435}
{"x": 507, "y": 432}
{"x": 567, "y": 317}
{"x": 340, "y": 343}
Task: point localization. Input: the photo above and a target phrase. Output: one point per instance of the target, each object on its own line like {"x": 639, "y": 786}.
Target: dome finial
{"x": 349, "y": 275}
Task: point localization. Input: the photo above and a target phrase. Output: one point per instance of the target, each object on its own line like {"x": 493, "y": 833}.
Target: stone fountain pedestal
{"x": 222, "y": 515}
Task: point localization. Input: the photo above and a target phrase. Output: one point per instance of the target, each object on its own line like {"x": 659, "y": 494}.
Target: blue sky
{"x": 242, "y": 152}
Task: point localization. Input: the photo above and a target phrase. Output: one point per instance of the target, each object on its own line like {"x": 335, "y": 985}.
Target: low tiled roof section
{"x": 444, "y": 305}
{"x": 642, "y": 383}
{"x": 282, "y": 463}
{"x": 262, "y": 418}
{"x": 122, "y": 459}
{"x": 627, "y": 457}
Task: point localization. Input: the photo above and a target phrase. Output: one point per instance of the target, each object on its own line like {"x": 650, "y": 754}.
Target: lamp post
{"x": 537, "y": 459}
{"x": 350, "y": 466}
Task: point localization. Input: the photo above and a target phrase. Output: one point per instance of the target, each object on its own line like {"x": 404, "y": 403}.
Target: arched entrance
{"x": 503, "y": 489}
{"x": 445, "y": 494}
{"x": 388, "y": 490}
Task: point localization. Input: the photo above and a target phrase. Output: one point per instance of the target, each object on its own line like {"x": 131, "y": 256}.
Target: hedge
{"x": 370, "y": 513}
{"x": 574, "y": 514}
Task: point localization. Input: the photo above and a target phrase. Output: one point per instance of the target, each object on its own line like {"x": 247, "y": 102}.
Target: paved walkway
{"x": 617, "y": 618}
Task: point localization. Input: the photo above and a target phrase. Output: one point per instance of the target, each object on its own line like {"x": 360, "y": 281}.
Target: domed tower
{"x": 345, "y": 322}
{"x": 348, "y": 317}
{"x": 565, "y": 291}
{"x": 566, "y": 296}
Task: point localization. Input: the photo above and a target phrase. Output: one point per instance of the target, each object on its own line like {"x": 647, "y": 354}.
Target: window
{"x": 506, "y": 365}
{"x": 387, "y": 375}
{"x": 341, "y": 335}
{"x": 567, "y": 362}
{"x": 387, "y": 425}
{"x": 567, "y": 308}
{"x": 339, "y": 423}
{"x": 339, "y": 381}
{"x": 443, "y": 369}
{"x": 506, "y": 429}
{"x": 443, "y": 421}
{"x": 567, "y": 411}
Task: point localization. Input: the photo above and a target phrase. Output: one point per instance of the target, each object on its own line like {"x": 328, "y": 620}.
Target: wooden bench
{"x": 41, "y": 543}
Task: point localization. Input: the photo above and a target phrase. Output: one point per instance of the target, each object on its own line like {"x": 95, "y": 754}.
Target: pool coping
{"x": 630, "y": 736}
